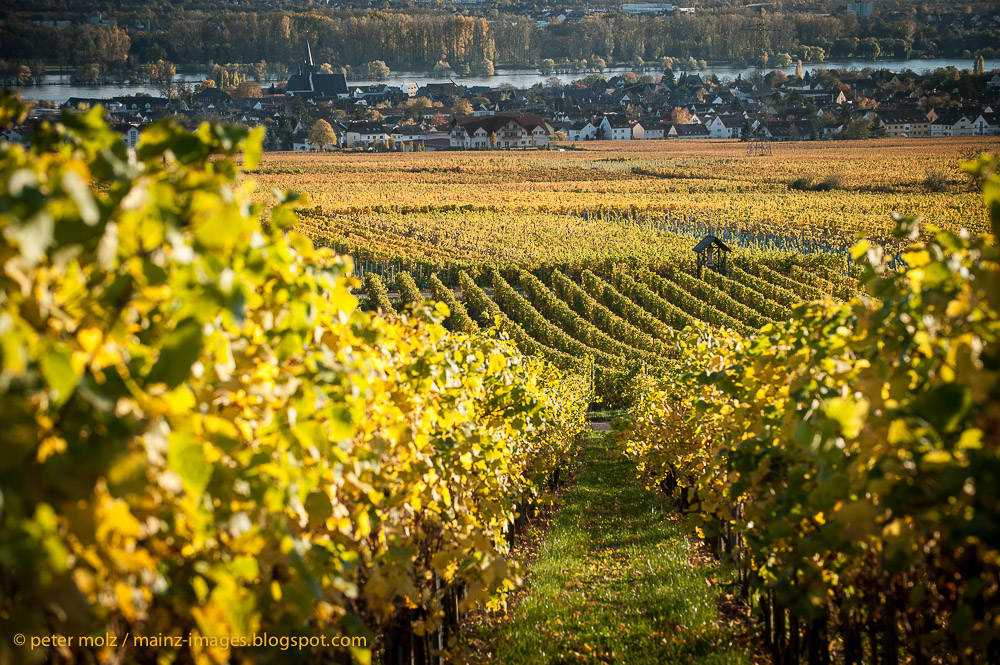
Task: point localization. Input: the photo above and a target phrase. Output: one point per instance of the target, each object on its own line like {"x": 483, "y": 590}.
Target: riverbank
{"x": 60, "y": 90}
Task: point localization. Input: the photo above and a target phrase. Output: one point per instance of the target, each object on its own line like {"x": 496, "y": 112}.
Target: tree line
{"x": 421, "y": 41}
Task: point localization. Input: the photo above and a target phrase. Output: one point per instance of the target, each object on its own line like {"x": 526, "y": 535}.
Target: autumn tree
{"x": 322, "y": 134}
{"x": 775, "y": 78}
{"x": 415, "y": 108}
{"x": 161, "y": 74}
{"x": 259, "y": 70}
{"x": 680, "y": 116}
{"x": 247, "y": 90}
{"x": 377, "y": 70}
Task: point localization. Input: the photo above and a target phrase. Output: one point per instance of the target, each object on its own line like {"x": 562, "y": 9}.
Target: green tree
{"x": 869, "y": 48}
{"x": 780, "y": 60}
{"x": 858, "y": 129}
{"x": 746, "y": 130}
{"x": 377, "y": 70}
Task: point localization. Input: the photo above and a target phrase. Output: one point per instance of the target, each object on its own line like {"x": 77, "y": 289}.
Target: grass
{"x": 614, "y": 582}
{"x": 607, "y": 414}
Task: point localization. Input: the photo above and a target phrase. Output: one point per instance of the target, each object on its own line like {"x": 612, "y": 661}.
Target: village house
{"x": 364, "y": 135}
{"x": 687, "y": 131}
{"x": 786, "y": 130}
{"x": 112, "y": 106}
{"x": 406, "y": 137}
{"x": 444, "y": 112}
{"x": 726, "y": 126}
{"x": 145, "y": 104}
{"x": 12, "y": 135}
{"x": 373, "y": 95}
{"x": 523, "y": 130}
{"x": 211, "y": 98}
{"x": 953, "y": 123}
{"x": 616, "y": 127}
{"x": 130, "y": 133}
{"x": 987, "y": 124}
{"x": 653, "y": 131}
{"x": 410, "y": 138}
{"x": 904, "y": 123}
{"x": 582, "y": 131}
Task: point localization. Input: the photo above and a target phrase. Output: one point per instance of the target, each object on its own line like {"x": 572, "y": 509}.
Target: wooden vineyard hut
{"x": 712, "y": 254}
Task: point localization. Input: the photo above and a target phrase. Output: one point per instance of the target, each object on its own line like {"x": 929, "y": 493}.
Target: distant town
{"x": 316, "y": 109}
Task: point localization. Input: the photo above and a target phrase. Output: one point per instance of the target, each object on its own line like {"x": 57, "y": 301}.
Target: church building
{"x": 308, "y": 82}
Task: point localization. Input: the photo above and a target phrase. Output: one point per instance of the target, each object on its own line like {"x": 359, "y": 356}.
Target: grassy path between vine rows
{"x": 615, "y": 581}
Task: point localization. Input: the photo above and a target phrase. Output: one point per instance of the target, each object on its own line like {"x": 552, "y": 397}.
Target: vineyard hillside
{"x": 464, "y": 407}
{"x": 604, "y": 199}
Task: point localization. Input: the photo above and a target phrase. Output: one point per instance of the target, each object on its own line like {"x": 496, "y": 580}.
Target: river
{"x": 58, "y": 89}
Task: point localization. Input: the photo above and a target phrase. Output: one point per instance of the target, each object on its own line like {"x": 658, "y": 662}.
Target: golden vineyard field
{"x": 551, "y": 205}
{"x": 220, "y": 430}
